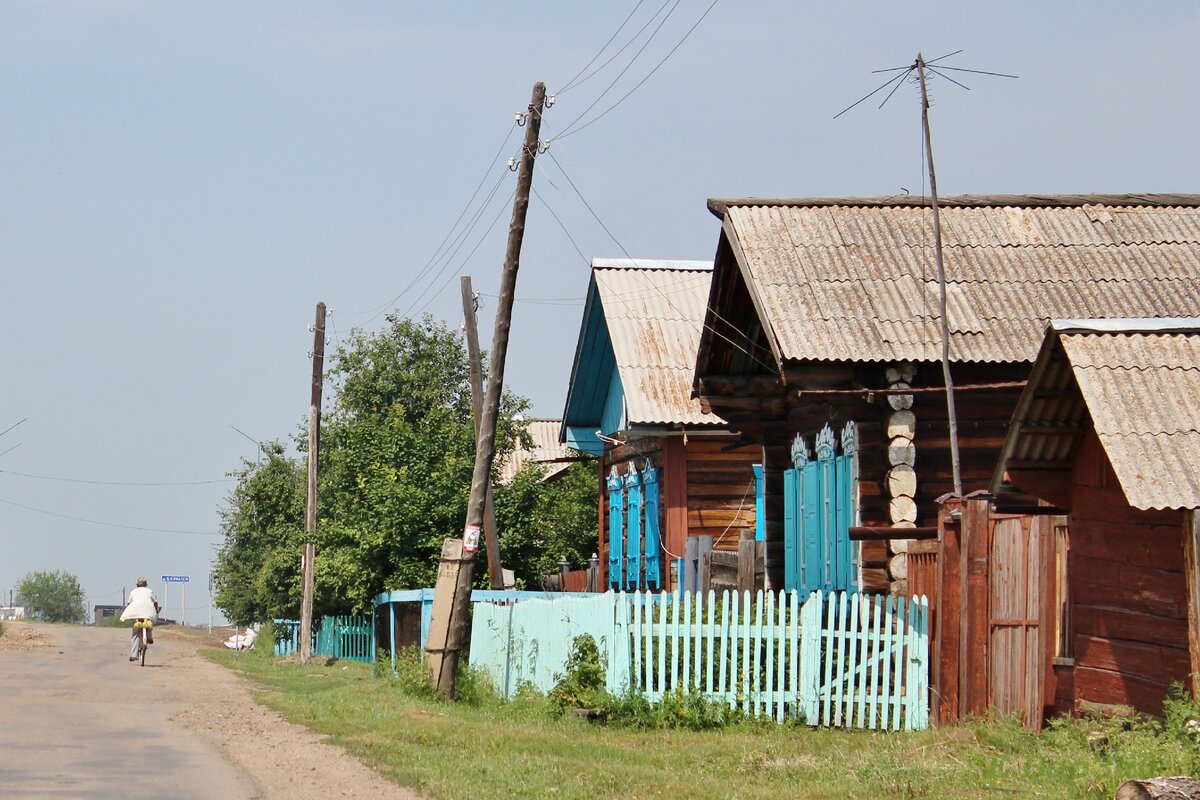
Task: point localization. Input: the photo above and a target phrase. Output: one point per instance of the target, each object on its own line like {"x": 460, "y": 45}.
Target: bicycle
{"x": 143, "y": 626}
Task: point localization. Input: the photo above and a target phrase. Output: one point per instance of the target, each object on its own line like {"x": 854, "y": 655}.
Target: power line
{"x": 437, "y": 253}
{"x": 621, "y": 74}
{"x": 549, "y": 208}
{"x": 114, "y": 483}
{"x": 571, "y": 83}
{"x": 108, "y": 524}
{"x": 708, "y": 308}
{"x": 638, "y": 85}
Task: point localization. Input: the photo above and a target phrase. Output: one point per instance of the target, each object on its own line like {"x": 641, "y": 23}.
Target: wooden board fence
{"x": 342, "y": 637}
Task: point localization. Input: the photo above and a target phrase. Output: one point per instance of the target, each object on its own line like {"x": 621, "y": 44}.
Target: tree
{"x": 53, "y": 596}
{"x": 541, "y": 523}
{"x": 397, "y": 453}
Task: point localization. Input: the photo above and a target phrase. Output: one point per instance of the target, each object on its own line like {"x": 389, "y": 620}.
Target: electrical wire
{"x": 709, "y": 309}
{"x": 621, "y": 74}
{"x": 572, "y": 82}
{"x": 108, "y": 524}
{"x": 468, "y": 257}
{"x": 549, "y": 208}
{"x": 114, "y": 483}
{"x": 436, "y": 254}
{"x": 649, "y": 75}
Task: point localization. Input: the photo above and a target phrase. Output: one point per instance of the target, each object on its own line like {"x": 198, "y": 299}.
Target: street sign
{"x": 175, "y": 578}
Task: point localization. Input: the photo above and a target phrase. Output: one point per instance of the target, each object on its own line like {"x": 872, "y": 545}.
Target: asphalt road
{"x": 79, "y": 720}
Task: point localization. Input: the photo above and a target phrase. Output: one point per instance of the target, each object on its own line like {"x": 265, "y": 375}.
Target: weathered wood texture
{"x": 1176, "y": 788}
{"x": 946, "y": 628}
{"x": 720, "y": 497}
{"x": 1130, "y": 597}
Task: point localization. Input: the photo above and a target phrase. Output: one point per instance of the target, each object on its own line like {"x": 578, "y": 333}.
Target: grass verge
{"x": 521, "y": 749}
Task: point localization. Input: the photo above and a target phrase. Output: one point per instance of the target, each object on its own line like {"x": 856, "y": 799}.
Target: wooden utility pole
{"x": 310, "y": 509}
{"x": 495, "y": 570}
{"x": 951, "y": 414}
{"x": 452, "y": 595}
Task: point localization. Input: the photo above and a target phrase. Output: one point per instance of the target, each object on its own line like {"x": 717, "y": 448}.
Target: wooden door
{"x": 1015, "y": 658}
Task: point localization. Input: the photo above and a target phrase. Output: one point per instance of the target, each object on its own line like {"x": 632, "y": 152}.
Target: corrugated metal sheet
{"x": 858, "y": 282}
{"x": 1141, "y": 391}
{"x": 545, "y": 450}
{"x": 654, "y": 318}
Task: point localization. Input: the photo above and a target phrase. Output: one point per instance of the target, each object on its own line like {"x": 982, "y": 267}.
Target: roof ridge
{"x": 719, "y": 205}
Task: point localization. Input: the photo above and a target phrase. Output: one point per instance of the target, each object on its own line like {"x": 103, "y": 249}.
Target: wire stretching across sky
{"x": 108, "y": 524}
{"x": 571, "y": 129}
{"x": 114, "y": 483}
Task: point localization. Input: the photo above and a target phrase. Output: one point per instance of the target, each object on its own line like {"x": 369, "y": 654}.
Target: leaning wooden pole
{"x": 952, "y": 416}
{"x": 310, "y": 508}
{"x": 452, "y": 595}
{"x": 495, "y": 569}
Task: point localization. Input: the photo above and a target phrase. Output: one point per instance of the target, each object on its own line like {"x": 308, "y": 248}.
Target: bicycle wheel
{"x": 144, "y": 647}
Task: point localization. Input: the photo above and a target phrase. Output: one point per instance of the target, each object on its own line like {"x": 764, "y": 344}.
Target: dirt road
{"x": 77, "y": 719}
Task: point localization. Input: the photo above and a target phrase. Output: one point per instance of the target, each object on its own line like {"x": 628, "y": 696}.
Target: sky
{"x": 181, "y": 183}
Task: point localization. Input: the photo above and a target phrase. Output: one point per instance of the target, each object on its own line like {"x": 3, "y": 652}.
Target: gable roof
{"x": 546, "y": 450}
{"x": 854, "y": 279}
{"x": 1138, "y": 381}
{"x": 642, "y": 318}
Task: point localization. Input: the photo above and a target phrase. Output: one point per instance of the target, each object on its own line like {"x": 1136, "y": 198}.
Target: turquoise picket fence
{"x": 838, "y": 660}
{"x": 342, "y": 637}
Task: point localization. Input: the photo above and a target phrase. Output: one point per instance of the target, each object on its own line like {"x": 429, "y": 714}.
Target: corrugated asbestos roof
{"x": 546, "y": 450}
{"x": 655, "y": 312}
{"x": 857, "y": 281}
{"x": 1141, "y": 388}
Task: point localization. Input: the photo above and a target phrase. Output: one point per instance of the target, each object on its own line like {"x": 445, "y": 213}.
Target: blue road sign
{"x": 175, "y": 578}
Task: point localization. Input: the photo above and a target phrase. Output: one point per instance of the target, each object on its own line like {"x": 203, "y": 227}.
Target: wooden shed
{"x": 668, "y": 470}
{"x": 822, "y": 343}
{"x": 1107, "y": 435}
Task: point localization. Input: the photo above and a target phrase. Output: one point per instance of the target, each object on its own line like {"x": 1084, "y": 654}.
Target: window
{"x": 819, "y": 508}
{"x": 633, "y": 529}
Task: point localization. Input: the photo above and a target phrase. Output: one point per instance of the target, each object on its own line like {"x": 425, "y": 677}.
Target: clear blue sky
{"x": 181, "y": 182}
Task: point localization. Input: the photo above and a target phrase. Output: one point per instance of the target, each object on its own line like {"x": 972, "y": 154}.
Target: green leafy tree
{"x": 397, "y": 454}
{"x": 53, "y": 596}
{"x": 541, "y": 523}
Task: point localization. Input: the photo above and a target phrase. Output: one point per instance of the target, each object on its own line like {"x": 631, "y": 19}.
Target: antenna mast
{"x": 951, "y": 414}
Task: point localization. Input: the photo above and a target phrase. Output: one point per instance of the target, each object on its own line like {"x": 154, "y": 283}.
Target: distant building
{"x": 103, "y": 613}
{"x": 12, "y": 612}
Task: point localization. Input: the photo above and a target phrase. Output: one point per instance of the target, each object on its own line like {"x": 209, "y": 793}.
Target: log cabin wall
{"x": 720, "y": 489}
{"x": 1127, "y": 589}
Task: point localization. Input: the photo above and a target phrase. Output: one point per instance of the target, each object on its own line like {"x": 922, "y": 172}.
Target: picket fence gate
{"x": 839, "y": 659}
{"x": 342, "y": 637}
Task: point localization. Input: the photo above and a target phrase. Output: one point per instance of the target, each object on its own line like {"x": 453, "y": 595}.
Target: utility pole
{"x": 452, "y": 594}
{"x": 495, "y": 570}
{"x": 310, "y": 509}
{"x": 952, "y": 416}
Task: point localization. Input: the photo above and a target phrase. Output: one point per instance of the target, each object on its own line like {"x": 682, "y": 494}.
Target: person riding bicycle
{"x": 143, "y": 605}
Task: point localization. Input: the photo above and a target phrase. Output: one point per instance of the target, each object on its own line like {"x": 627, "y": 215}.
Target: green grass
{"x": 520, "y": 749}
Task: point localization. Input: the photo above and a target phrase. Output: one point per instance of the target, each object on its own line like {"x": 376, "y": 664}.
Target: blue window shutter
{"x": 760, "y": 504}
{"x": 633, "y": 529}
{"x": 616, "y": 527}
{"x": 826, "y": 443}
{"x": 791, "y": 530}
{"x": 811, "y": 554}
{"x": 847, "y": 494}
{"x": 650, "y": 486}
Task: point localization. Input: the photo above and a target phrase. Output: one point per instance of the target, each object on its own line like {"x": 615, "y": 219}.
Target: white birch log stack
{"x": 1178, "y": 788}
{"x": 901, "y": 479}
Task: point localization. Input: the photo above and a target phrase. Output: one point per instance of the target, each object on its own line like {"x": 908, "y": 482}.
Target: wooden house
{"x": 822, "y": 344}
{"x": 1106, "y": 437}
{"x": 544, "y": 449}
{"x": 668, "y": 470}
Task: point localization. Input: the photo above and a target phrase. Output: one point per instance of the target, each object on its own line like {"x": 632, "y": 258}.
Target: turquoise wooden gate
{"x": 634, "y": 561}
{"x": 819, "y": 508}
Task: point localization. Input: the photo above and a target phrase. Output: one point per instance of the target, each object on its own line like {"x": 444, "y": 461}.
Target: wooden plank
{"x": 1109, "y": 688}
{"x": 674, "y": 499}
{"x": 885, "y": 657}
{"x": 746, "y": 558}
{"x": 1191, "y": 577}
{"x": 768, "y": 693}
{"x": 898, "y": 662}
{"x": 745, "y": 648}
{"x": 876, "y": 642}
{"x": 1152, "y": 662}
{"x": 1121, "y": 623}
{"x": 1145, "y": 589}
{"x": 728, "y": 643}
{"x": 795, "y": 631}
{"x": 829, "y": 635}
{"x": 851, "y": 683}
{"x": 864, "y": 640}
{"x": 973, "y": 631}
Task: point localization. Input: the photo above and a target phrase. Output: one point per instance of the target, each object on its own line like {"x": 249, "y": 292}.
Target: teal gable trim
{"x": 585, "y": 440}
{"x": 613, "y": 418}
